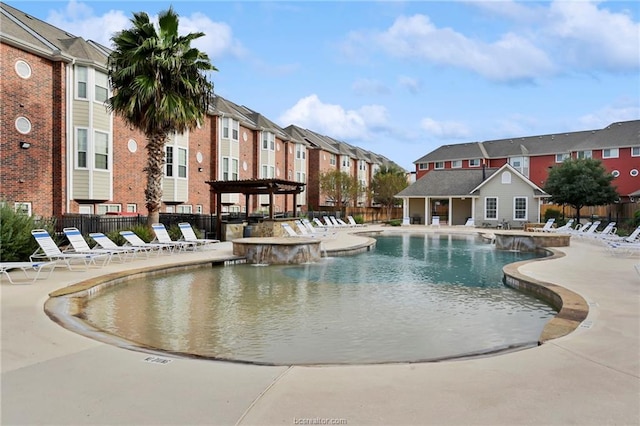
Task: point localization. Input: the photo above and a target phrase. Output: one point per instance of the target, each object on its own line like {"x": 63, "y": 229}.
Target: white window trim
{"x": 474, "y": 165}
{"x": 613, "y": 153}
{"x": 526, "y": 207}
{"x": 87, "y": 166}
{"x": 423, "y": 166}
{"x": 22, "y": 207}
{"x": 584, "y": 154}
{"x": 456, "y": 164}
{"x": 485, "y": 208}
{"x": 435, "y": 165}
{"x": 637, "y": 148}
{"x": 560, "y": 158}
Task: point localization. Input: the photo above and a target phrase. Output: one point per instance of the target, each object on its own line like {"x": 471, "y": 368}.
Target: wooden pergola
{"x": 250, "y": 187}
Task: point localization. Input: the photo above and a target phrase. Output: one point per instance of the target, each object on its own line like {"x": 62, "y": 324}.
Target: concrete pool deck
{"x": 53, "y": 376}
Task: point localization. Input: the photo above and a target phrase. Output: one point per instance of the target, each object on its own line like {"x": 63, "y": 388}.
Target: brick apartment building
{"x": 64, "y": 152}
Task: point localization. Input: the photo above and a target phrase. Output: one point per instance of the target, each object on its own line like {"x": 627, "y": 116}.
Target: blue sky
{"x": 403, "y": 78}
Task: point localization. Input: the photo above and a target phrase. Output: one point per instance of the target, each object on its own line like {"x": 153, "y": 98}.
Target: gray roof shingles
{"x": 447, "y": 183}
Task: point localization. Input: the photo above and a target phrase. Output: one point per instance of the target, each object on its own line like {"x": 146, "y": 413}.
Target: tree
{"x": 386, "y": 183}
{"x": 339, "y": 187}
{"x": 579, "y": 183}
{"x": 159, "y": 87}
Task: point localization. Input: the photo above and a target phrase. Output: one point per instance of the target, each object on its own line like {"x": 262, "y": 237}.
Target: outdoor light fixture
{"x": 25, "y": 145}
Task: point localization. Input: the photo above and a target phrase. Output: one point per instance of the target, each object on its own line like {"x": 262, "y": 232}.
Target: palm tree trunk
{"x": 155, "y": 173}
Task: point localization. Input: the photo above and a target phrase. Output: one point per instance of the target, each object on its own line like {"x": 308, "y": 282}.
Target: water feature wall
{"x": 529, "y": 241}
{"x": 278, "y": 251}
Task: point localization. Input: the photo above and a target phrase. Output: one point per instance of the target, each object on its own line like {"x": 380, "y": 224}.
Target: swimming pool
{"x": 412, "y": 298}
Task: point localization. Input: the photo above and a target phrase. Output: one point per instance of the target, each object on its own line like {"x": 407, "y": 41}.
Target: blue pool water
{"x": 412, "y": 298}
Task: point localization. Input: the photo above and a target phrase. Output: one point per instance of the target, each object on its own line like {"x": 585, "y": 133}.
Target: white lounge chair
{"x": 435, "y": 221}
{"x": 48, "y": 250}
{"x": 105, "y": 242}
{"x": 290, "y": 231}
{"x": 548, "y": 226}
{"x": 37, "y": 267}
{"x": 134, "y": 240}
{"x": 322, "y": 232}
{"x": 564, "y": 228}
{"x": 163, "y": 237}
{"x": 584, "y": 231}
{"x": 353, "y": 222}
{"x": 79, "y": 245}
{"x": 319, "y": 224}
{"x": 607, "y": 232}
{"x": 189, "y": 235}
{"x": 470, "y": 222}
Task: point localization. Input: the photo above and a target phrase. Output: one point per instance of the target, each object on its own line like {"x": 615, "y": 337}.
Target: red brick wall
{"x": 28, "y": 175}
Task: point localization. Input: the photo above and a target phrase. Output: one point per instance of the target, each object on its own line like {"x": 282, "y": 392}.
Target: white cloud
{"x": 412, "y": 85}
{"x": 511, "y": 57}
{"x": 444, "y": 129}
{"x": 333, "y": 120}
{"x": 78, "y": 18}
{"x": 588, "y": 36}
{"x": 365, "y": 86}
{"x": 623, "y": 109}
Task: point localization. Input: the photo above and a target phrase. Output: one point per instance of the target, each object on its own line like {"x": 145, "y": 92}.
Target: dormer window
{"x": 475, "y": 162}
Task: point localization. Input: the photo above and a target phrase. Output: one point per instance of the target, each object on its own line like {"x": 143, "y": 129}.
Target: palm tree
{"x": 159, "y": 87}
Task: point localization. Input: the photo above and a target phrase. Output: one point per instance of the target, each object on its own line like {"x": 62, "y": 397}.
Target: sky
{"x": 402, "y": 78}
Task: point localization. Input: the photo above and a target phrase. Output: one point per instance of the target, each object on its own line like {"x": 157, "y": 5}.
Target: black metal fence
{"x": 86, "y": 223}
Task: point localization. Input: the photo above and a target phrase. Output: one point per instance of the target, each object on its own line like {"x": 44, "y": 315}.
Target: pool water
{"x": 412, "y": 298}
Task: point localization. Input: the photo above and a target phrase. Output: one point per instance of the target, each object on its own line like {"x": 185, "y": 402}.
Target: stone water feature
{"x": 529, "y": 241}
{"x": 278, "y": 250}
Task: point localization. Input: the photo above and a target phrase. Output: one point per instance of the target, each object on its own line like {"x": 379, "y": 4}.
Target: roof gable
{"x": 515, "y": 173}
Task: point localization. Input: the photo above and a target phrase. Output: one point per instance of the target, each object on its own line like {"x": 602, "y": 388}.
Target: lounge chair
{"x": 319, "y": 224}
{"x": 303, "y": 230}
{"x": 564, "y": 228}
{"x": 353, "y": 222}
{"x": 607, "y": 232}
{"x": 133, "y": 240}
{"x": 580, "y": 228}
{"x": 343, "y": 223}
{"x": 48, "y": 250}
{"x": 470, "y": 222}
{"x": 321, "y": 232}
{"x": 105, "y": 242}
{"x": 548, "y": 226}
{"x": 38, "y": 267}
{"x": 584, "y": 231}
{"x": 80, "y": 245}
{"x": 189, "y": 235}
{"x": 328, "y": 222}
{"x": 290, "y": 231}
{"x": 435, "y": 221}
{"x": 162, "y": 237}
{"x": 337, "y": 224}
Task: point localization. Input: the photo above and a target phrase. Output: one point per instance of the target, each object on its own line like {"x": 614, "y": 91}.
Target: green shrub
{"x": 395, "y": 222}
{"x": 359, "y": 219}
{"x": 636, "y": 218}
{"x": 144, "y": 232}
{"x": 552, "y": 213}
{"x": 16, "y": 241}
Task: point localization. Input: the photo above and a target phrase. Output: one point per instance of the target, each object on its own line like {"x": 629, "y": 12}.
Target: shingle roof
{"x": 616, "y": 135}
{"x": 447, "y": 183}
{"x": 19, "y": 26}
{"x": 620, "y": 134}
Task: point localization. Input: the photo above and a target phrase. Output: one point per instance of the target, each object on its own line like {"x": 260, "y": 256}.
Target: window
{"x": 225, "y": 127}
{"x": 22, "y": 208}
{"x": 346, "y": 161}
{"x": 521, "y": 164}
{"x": 102, "y": 91}
{"x": 171, "y": 164}
{"x": 635, "y": 151}
{"x": 332, "y": 159}
{"x": 23, "y": 125}
{"x": 101, "y": 150}
{"x": 235, "y": 130}
{"x": 423, "y": 166}
{"x": 561, "y": 157}
{"x": 23, "y": 69}
{"x": 268, "y": 172}
{"x": 81, "y": 82}
{"x": 300, "y": 177}
{"x": 362, "y": 165}
{"x": 268, "y": 141}
{"x": 475, "y": 162}
{"x": 81, "y": 148}
{"x": 301, "y": 152}
{"x": 185, "y": 208}
{"x": 610, "y": 153}
{"x": 199, "y": 209}
{"x": 439, "y": 165}
{"x": 506, "y": 178}
{"x": 615, "y": 173}
{"x": 105, "y": 208}
{"x": 132, "y": 208}
{"x": 584, "y": 154}
{"x": 491, "y": 208}
{"x": 229, "y": 168}
{"x": 520, "y": 208}
{"x": 169, "y": 161}
{"x": 456, "y": 164}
